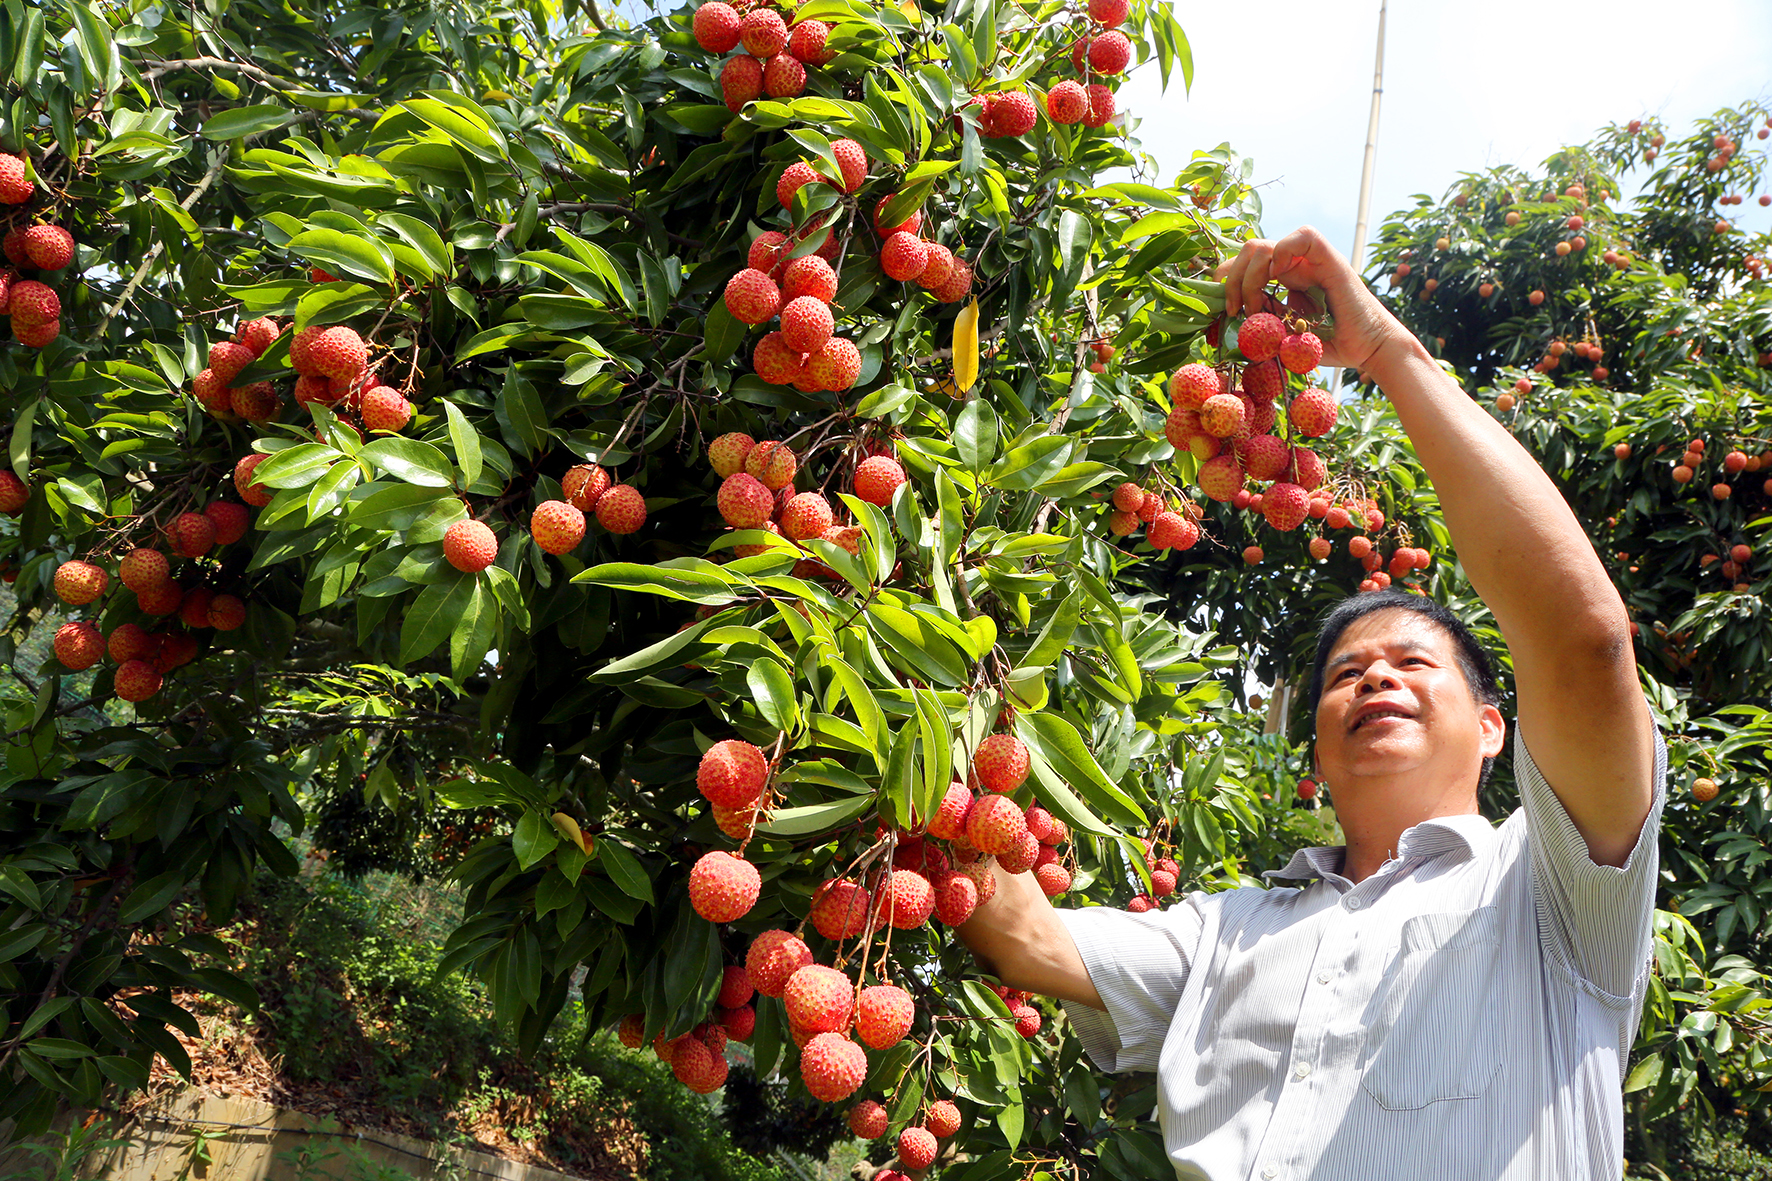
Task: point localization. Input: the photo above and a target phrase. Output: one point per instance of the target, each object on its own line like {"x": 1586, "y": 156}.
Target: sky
{"x": 1465, "y": 87}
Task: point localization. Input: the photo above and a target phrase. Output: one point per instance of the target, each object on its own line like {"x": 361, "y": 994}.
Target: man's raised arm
{"x": 1587, "y": 723}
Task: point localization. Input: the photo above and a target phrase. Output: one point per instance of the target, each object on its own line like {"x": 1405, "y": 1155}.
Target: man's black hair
{"x": 1473, "y": 662}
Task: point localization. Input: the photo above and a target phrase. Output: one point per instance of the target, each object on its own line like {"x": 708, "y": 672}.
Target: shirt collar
{"x": 1468, "y": 836}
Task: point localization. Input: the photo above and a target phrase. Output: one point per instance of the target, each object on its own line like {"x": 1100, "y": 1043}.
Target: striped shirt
{"x": 1464, "y": 1014}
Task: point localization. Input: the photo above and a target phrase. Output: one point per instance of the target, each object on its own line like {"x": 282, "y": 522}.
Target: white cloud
{"x": 1288, "y": 82}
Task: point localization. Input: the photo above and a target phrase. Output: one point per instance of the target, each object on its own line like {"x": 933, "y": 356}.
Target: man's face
{"x": 1395, "y": 703}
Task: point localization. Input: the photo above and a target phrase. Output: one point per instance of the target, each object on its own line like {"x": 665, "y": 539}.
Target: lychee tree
{"x": 1627, "y": 341}
{"x": 698, "y": 478}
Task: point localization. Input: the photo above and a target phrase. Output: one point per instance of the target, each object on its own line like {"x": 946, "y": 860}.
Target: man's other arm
{"x": 1017, "y": 936}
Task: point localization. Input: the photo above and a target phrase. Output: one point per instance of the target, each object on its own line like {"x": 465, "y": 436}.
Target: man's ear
{"x": 1494, "y": 731}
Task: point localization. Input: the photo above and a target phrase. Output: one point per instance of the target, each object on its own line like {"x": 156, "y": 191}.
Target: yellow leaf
{"x": 569, "y": 829}
{"x": 911, "y": 12}
{"x": 966, "y": 346}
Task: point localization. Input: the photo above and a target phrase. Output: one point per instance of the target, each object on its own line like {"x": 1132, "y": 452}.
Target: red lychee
{"x": 50, "y": 248}
{"x": 78, "y": 645}
{"x": 995, "y": 825}
{"x": 836, "y": 366}
{"x": 752, "y": 296}
{"x": 763, "y": 32}
{"x": 230, "y": 520}
{"x": 744, "y": 502}
{"x": 557, "y": 526}
{"x": 784, "y": 76}
{"x": 226, "y": 612}
{"x": 909, "y": 899}
{"x": 938, "y": 268}
{"x": 143, "y": 569}
{"x": 732, "y": 773}
{"x": 621, "y": 510}
{"x": 1313, "y": 413}
{"x": 1301, "y": 352}
{"x": 916, "y": 1147}
{"x": 883, "y": 1015}
{"x": 877, "y": 478}
{"x": 832, "y": 1067}
{"x": 470, "y": 546}
{"x": 956, "y": 897}
{"x": 1001, "y": 763}
{"x": 723, "y": 887}
{"x": 33, "y": 303}
{"x": 1067, "y": 102}
{"x": 385, "y": 408}
{"x": 852, "y": 158}
{"x": 772, "y": 463}
{"x": 806, "y": 515}
{"x": 741, "y": 81}
{"x": 583, "y": 485}
{"x": 137, "y": 680}
{"x": 1110, "y": 53}
{"x": 1192, "y": 385}
{"x": 716, "y": 27}
{"x": 795, "y": 177}
{"x": 1285, "y": 506}
{"x": 910, "y": 225}
{"x": 78, "y": 583}
{"x": 806, "y": 323}
{"x": 1173, "y": 531}
{"x": 904, "y": 257}
{"x": 868, "y": 1120}
{"x": 841, "y": 909}
{"x": 809, "y": 275}
{"x": 819, "y": 998}
{"x": 772, "y": 960}
{"x": 191, "y": 534}
{"x": 807, "y": 42}
{"x": 15, "y": 187}
{"x": 1260, "y": 336}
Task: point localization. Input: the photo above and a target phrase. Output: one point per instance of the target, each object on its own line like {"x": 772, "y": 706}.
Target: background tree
{"x": 1626, "y": 343}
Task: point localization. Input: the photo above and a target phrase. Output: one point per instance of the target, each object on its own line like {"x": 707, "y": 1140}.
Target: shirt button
{"x": 1322, "y": 977}
{"x": 1270, "y": 1173}
{"x": 1302, "y": 1070}
{"x": 1353, "y": 904}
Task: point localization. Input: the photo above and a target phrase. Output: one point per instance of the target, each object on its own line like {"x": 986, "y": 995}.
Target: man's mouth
{"x": 1378, "y": 713}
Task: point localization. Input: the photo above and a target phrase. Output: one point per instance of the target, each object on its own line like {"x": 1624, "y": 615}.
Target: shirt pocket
{"x": 1432, "y": 1032}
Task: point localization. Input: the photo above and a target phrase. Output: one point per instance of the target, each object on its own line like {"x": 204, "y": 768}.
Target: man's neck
{"x": 1375, "y": 817}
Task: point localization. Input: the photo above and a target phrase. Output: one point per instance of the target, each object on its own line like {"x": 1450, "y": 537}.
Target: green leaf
{"x": 534, "y": 838}
{"x": 466, "y": 441}
{"x": 152, "y": 896}
{"x": 433, "y": 616}
{"x": 624, "y": 869}
{"x": 1059, "y": 744}
{"x": 772, "y": 689}
{"x": 815, "y": 818}
{"x": 339, "y": 252}
{"x": 473, "y": 633}
{"x": 975, "y": 435}
{"x": 704, "y": 583}
{"x": 410, "y": 460}
{"x": 242, "y": 121}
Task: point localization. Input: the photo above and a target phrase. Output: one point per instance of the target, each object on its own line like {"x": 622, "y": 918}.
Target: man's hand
{"x": 1301, "y": 260}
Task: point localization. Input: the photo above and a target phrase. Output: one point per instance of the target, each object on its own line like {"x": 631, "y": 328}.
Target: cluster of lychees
{"x": 1104, "y": 51}
{"x": 1165, "y": 873}
{"x": 922, "y": 880}
{"x": 1733, "y": 567}
{"x": 775, "y": 56}
{"x": 1167, "y": 525}
{"x": 918, "y": 1144}
{"x": 144, "y": 657}
{"x": 757, "y": 492}
{"x": 1230, "y": 428}
{"x": 698, "y": 1058}
{"x": 557, "y": 526}
{"x": 38, "y": 247}
{"x": 1735, "y": 462}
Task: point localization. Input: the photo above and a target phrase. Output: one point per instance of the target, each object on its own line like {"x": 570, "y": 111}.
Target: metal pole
{"x": 1358, "y": 257}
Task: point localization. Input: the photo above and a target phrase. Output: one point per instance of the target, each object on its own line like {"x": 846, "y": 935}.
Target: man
{"x": 1441, "y": 998}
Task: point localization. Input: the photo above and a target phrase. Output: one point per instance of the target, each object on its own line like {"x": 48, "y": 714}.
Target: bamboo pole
{"x": 1363, "y": 213}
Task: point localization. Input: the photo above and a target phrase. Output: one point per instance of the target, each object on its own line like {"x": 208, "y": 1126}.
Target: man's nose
{"x": 1378, "y": 677}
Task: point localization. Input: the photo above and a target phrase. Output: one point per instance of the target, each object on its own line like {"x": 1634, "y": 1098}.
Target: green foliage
{"x": 1669, "y": 289}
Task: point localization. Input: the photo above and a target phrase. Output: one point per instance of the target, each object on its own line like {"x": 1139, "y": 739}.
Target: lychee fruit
{"x": 230, "y": 520}
{"x": 819, "y": 998}
{"x": 621, "y": 510}
{"x": 192, "y": 535}
{"x": 809, "y": 275}
{"x": 78, "y": 645}
{"x": 15, "y": 494}
{"x": 807, "y": 42}
{"x": 949, "y": 821}
{"x": 943, "y": 1117}
{"x": 744, "y": 502}
{"x": 130, "y": 642}
{"x": 1067, "y": 102}
{"x": 763, "y": 32}
{"x": 385, "y": 408}
{"x": 723, "y": 887}
{"x": 1285, "y": 505}
{"x": 726, "y": 454}
{"x": 33, "y": 303}
{"x": 15, "y": 187}
{"x": 161, "y": 600}
{"x": 772, "y": 463}
{"x": 868, "y": 1120}
{"x": 752, "y": 296}
{"x": 78, "y": 583}
{"x": 833, "y": 1067}
{"x": 336, "y": 352}
{"x": 1101, "y": 106}
{"x": 836, "y": 366}
{"x": 938, "y": 269}
{"x": 995, "y": 825}
{"x": 1010, "y": 113}
{"x": 1173, "y": 531}
{"x": 794, "y": 177}
{"x": 1001, "y": 763}
{"x": 806, "y": 515}
{"x": 883, "y": 1015}
{"x": 806, "y": 323}
{"x": 1301, "y": 352}
{"x": 957, "y": 286}
{"x": 956, "y": 897}
{"x": 470, "y": 546}
{"x": 1109, "y": 13}
{"x": 1308, "y": 469}
{"x": 143, "y": 569}
{"x": 916, "y": 1147}
{"x": 1264, "y": 456}
{"x": 50, "y": 248}
{"x": 1313, "y": 413}
{"x": 910, "y": 225}
{"x": 909, "y": 899}
{"x": 226, "y": 612}
{"x": 741, "y": 81}
{"x": 583, "y": 485}
{"x": 137, "y": 680}
{"x": 1110, "y": 53}
{"x": 716, "y": 27}
{"x": 772, "y": 960}
{"x": 904, "y": 256}
{"x": 852, "y": 158}
{"x": 1192, "y": 385}
{"x": 841, "y": 909}
{"x": 557, "y": 526}
{"x": 877, "y": 478}
{"x": 251, "y": 492}
{"x": 732, "y": 773}
{"x": 784, "y": 76}
{"x": 1223, "y": 415}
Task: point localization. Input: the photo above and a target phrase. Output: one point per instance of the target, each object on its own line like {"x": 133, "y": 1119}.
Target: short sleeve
{"x": 1139, "y": 965}
{"x": 1597, "y": 918}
